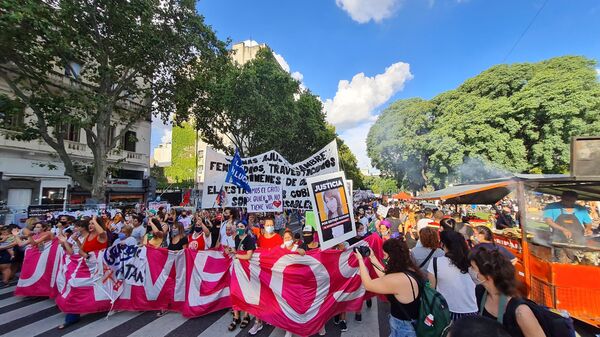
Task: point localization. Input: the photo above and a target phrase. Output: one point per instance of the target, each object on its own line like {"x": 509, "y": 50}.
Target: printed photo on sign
{"x": 334, "y": 217}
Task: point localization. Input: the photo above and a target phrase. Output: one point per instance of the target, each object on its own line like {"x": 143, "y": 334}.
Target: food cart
{"x": 572, "y": 285}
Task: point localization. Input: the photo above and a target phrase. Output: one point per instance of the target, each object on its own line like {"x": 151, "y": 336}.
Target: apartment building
{"x": 32, "y": 174}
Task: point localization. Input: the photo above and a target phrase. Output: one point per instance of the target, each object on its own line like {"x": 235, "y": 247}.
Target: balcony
{"x": 130, "y": 157}
{"x": 75, "y": 146}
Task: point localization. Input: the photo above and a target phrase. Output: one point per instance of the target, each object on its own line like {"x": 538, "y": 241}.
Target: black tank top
{"x": 409, "y": 311}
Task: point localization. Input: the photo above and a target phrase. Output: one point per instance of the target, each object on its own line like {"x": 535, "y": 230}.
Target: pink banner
{"x": 39, "y": 270}
{"x": 293, "y": 292}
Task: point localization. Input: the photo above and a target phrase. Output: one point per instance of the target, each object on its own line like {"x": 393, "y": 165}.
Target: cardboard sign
{"x": 310, "y": 220}
{"x": 265, "y": 198}
{"x": 382, "y": 211}
{"x": 333, "y": 213}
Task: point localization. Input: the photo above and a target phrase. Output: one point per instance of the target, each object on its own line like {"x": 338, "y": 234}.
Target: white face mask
{"x": 288, "y": 243}
{"x": 269, "y": 229}
{"x": 361, "y": 233}
{"x": 475, "y": 278}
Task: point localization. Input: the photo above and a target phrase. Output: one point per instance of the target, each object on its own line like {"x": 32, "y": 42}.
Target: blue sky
{"x": 361, "y": 55}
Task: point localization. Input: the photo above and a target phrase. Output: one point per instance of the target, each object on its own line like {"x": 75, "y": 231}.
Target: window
{"x": 70, "y": 132}
{"x": 12, "y": 114}
{"x": 110, "y": 136}
{"x": 129, "y": 141}
{"x": 73, "y": 69}
{"x": 53, "y": 196}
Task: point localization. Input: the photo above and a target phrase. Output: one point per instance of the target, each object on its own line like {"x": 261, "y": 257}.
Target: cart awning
{"x": 484, "y": 193}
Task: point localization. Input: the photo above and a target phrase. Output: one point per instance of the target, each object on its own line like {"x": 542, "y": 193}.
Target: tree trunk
{"x": 99, "y": 181}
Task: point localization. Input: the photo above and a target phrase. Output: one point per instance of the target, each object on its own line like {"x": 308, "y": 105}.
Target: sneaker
{"x": 358, "y": 317}
{"x": 336, "y": 319}
{"x": 288, "y": 334}
{"x": 322, "y": 332}
{"x": 369, "y": 303}
{"x": 343, "y": 326}
{"x": 255, "y": 329}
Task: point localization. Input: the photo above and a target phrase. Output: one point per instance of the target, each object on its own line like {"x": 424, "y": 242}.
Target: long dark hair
{"x": 458, "y": 251}
{"x": 399, "y": 257}
{"x": 492, "y": 263}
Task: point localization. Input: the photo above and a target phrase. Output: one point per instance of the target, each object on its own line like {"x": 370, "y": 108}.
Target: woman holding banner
{"x": 94, "y": 241}
{"x": 267, "y": 241}
{"x": 245, "y": 247}
{"x": 400, "y": 281}
{"x": 37, "y": 237}
{"x": 154, "y": 234}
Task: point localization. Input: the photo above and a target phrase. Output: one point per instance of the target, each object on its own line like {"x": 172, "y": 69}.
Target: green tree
{"x": 258, "y": 107}
{"x": 124, "y": 60}
{"x": 183, "y": 154}
{"x": 381, "y": 185}
{"x": 509, "y": 118}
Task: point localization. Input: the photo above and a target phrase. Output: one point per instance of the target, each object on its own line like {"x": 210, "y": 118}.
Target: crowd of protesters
{"x": 423, "y": 246}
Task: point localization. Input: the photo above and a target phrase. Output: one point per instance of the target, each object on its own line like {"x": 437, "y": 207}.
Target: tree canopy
{"x": 257, "y": 107}
{"x": 509, "y": 118}
{"x": 95, "y": 65}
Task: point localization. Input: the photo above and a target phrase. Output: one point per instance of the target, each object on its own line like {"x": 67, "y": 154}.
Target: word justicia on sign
{"x": 197, "y": 283}
{"x": 329, "y": 185}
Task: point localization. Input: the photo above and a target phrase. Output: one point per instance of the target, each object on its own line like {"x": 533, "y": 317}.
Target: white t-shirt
{"x": 457, "y": 288}
{"x": 186, "y": 222}
{"x": 423, "y": 223}
{"x": 138, "y": 233}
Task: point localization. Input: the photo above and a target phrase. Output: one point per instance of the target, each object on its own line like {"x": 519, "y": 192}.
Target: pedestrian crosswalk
{"x": 21, "y": 316}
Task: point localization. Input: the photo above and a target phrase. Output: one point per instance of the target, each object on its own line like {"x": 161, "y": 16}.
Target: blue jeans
{"x": 401, "y": 328}
{"x": 72, "y": 318}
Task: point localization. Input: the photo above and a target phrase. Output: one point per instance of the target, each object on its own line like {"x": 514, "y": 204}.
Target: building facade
{"x": 32, "y": 173}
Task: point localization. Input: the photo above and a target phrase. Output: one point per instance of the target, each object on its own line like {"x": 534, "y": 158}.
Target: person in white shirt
{"x": 228, "y": 220}
{"x": 452, "y": 278}
{"x": 426, "y": 220}
{"x": 185, "y": 220}
{"x": 125, "y": 238}
{"x": 138, "y": 231}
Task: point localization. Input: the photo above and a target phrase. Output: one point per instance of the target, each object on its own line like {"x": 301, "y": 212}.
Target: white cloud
{"x": 161, "y": 133}
{"x": 282, "y": 62}
{"x": 356, "y": 139}
{"x": 250, "y": 43}
{"x": 363, "y": 11}
{"x": 285, "y": 66}
{"x": 297, "y": 76}
{"x": 355, "y": 101}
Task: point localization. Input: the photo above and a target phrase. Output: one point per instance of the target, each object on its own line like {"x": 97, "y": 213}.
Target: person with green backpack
{"x": 400, "y": 280}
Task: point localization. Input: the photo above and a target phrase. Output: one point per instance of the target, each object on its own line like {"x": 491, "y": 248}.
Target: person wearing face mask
{"x": 449, "y": 275}
{"x": 178, "y": 239}
{"x": 497, "y": 295}
{"x": 94, "y": 240}
{"x": 384, "y": 229}
{"x": 37, "y": 237}
{"x": 138, "y": 230}
{"x": 125, "y": 238}
{"x": 185, "y": 220}
{"x": 155, "y": 232}
{"x": 253, "y": 225}
{"x": 200, "y": 238}
{"x": 228, "y": 240}
{"x": 243, "y": 248}
{"x": 64, "y": 223}
{"x": 267, "y": 241}
{"x": 308, "y": 239}
{"x": 229, "y": 220}
{"x": 400, "y": 280}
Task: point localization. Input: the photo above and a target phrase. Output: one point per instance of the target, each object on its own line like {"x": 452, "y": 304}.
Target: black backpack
{"x": 553, "y": 324}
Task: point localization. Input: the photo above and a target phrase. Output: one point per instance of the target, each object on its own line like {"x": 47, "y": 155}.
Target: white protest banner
{"x": 267, "y": 168}
{"x": 349, "y": 187}
{"x": 265, "y": 198}
{"x": 333, "y": 213}
{"x": 382, "y": 211}
{"x": 154, "y": 206}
